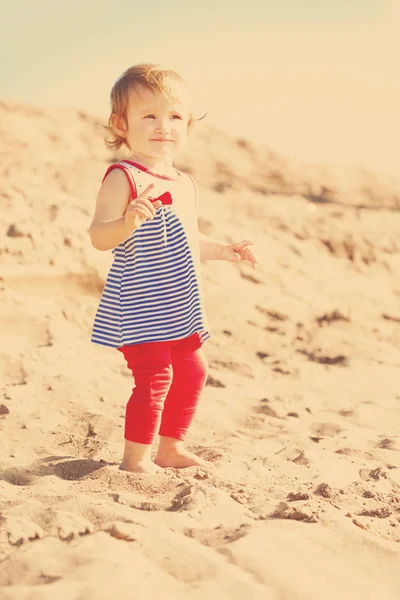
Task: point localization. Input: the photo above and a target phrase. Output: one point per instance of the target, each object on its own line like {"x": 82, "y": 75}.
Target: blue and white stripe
{"x": 153, "y": 291}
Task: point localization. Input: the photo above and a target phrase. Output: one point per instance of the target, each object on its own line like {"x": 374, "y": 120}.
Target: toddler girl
{"x": 151, "y": 309}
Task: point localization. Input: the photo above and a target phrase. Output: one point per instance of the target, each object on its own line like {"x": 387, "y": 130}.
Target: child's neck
{"x": 160, "y": 166}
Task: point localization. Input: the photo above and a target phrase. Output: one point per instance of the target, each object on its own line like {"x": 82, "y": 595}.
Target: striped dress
{"x": 153, "y": 289}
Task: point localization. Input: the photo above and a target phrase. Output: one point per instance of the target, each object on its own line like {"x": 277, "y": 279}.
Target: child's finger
{"x": 147, "y": 203}
{"x": 144, "y": 204}
{"x": 240, "y": 246}
{"x": 146, "y": 191}
{"x": 142, "y": 209}
{"x": 248, "y": 255}
{"x": 251, "y": 259}
{"x": 143, "y": 213}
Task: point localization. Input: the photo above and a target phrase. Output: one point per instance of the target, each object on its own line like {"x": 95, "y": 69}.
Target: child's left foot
{"x": 179, "y": 458}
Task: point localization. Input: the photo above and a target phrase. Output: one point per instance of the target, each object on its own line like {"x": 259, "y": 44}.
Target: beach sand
{"x": 299, "y": 418}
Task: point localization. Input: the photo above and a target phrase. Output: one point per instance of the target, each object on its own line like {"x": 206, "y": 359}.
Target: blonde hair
{"x": 150, "y": 76}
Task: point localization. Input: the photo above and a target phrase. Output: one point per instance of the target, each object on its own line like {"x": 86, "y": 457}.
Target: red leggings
{"x": 169, "y": 377}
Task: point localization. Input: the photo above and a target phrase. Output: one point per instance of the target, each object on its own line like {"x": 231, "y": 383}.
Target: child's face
{"x": 156, "y": 128}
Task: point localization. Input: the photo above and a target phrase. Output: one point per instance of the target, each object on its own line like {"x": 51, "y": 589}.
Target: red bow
{"x": 165, "y": 198}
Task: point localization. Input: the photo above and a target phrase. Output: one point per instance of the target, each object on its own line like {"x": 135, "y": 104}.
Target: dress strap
{"x": 128, "y": 173}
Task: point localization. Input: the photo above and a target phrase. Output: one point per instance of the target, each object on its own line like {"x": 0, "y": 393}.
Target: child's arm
{"x": 116, "y": 216}
{"x": 214, "y": 250}
{"x": 210, "y": 249}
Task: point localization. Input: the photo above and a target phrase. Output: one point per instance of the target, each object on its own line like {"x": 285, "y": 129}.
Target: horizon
{"x": 316, "y": 81}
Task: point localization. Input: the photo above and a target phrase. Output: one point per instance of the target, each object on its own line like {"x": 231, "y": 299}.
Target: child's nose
{"x": 164, "y": 125}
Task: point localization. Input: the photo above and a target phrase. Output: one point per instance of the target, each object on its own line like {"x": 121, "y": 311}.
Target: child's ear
{"x": 118, "y": 124}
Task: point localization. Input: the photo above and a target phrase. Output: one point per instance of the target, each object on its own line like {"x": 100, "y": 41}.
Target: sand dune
{"x": 300, "y": 415}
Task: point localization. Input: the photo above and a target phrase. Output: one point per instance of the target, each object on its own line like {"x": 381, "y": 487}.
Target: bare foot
{"x": 179, "y": 458}
{"x": 137, "y": 458}
{"x": 144, "y": 466}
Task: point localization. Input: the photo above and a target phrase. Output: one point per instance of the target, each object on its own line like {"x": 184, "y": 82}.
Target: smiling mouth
{"x": 161, "y": 140}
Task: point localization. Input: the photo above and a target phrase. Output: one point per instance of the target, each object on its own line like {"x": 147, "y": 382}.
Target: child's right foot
{"x": 141, "y": 467}
{"x": 137, "y": 458}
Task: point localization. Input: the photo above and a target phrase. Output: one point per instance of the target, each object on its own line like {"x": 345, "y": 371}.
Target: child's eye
{"x": 177, "y": 117}
{"x": 150, "y": 116}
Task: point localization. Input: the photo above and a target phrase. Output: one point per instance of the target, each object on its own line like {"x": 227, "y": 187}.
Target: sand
{"x": 299, "y": 418}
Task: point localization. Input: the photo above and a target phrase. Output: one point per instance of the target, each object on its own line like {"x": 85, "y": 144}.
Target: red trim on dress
{"x": 127, "y": 172}
{"x": 141, "y": 168}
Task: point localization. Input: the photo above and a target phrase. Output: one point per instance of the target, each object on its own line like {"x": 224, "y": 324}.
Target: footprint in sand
{"x": 19, "y": 531}
{"x": 209, "y": 454}
{"x": 373, "y": 475}
{"x": 191, "y": 497}
{"x": 17, "y": 476}
{"x": 122, "y": 531}
{"x": 201, "y": 500}
{"x": 381, "y": 513}
{"x": 265, "y": 408}
{"x": 285, "y": 511}
{"x": 324, "y": 359}
{"x": 71, "y": 525}
{"x": 220, "y": 536}
{"x": 214, "y": 382}
{"x": 389, "y": 444}
{"x": 12, "y": 371}
{"x": 322, "y": 430}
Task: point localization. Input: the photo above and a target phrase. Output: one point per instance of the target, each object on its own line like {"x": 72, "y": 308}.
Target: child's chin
{"x": 165, "y": 153}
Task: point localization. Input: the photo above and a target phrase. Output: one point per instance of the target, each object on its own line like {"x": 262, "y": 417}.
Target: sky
{"x": 314, "y": 79}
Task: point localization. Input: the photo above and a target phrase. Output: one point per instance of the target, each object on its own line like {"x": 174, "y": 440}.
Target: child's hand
{"x": 239, "y": 251}
{"x": 141, "y": 209}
